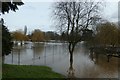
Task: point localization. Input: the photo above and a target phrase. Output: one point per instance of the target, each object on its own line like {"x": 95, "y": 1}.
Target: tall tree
{"x": 73, "y": 17}
{"x": 6, "y": 6}
{"x": 6, "y": 40}
{"x": 107, "y": 34}
{"x": 37, "y": 36}
{"x": 119, "y": 35}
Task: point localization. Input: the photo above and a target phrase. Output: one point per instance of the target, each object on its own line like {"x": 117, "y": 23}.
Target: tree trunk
{"x": 71, "y": 70}
{"x": 71, "y": 49}
{"x": 3, "y": 59}
{"x": 71, "y": 58}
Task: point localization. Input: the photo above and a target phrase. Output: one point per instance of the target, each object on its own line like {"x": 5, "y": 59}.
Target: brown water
{"x": 56, "y": 56}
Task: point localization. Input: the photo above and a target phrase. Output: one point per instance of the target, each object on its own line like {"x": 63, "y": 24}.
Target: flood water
{"x": 56, "y": 56}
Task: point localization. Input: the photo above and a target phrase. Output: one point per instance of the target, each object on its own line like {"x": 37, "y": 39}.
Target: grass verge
{"x": 28, "y": 71}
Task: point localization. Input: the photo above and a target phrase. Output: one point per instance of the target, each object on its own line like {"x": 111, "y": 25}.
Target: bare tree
{"x": 73, "y": 17}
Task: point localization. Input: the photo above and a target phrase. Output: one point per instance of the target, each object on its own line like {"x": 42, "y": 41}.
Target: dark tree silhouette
{"x": 107, "y": 34}
{"x": 6, "y": 37}
{"x": 6, "y": 41}
{"x": 10, "y": 5}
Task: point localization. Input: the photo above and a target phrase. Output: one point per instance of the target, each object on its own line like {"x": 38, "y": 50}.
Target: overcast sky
{"x": 36, "y": 14}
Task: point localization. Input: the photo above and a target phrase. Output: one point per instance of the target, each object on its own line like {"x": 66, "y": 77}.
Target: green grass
{"x": 28, "y": 71}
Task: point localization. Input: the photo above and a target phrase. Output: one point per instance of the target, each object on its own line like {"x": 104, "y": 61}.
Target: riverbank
{"x": 28, "y": 71}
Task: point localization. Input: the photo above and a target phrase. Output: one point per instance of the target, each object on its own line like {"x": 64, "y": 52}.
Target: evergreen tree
{"x": 6, "y": 37}
{"x": 6, "y": 41}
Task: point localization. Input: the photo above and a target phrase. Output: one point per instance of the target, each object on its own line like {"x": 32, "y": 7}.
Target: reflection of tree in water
{"x": 105, "y": 67}
{"x": 37, "y": 49}
{"x": 71, "y": 72}
{"x": 20, "y": 47}
{"x": 94, "y": 57}
{"x": 17, "y": 51}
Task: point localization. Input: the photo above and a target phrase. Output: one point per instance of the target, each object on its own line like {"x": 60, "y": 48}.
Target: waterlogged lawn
{"x": 28, "y": 71}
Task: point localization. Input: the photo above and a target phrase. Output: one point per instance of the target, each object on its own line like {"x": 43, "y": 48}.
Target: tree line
{"x": 35, "y": 36}
{"x": 106, "y": 33}
{"x": 103, "y": 34}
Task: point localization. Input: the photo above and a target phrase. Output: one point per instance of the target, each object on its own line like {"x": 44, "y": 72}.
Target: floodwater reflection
{"x": 71, "y": 72}
{"x": 56, "y": 56}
